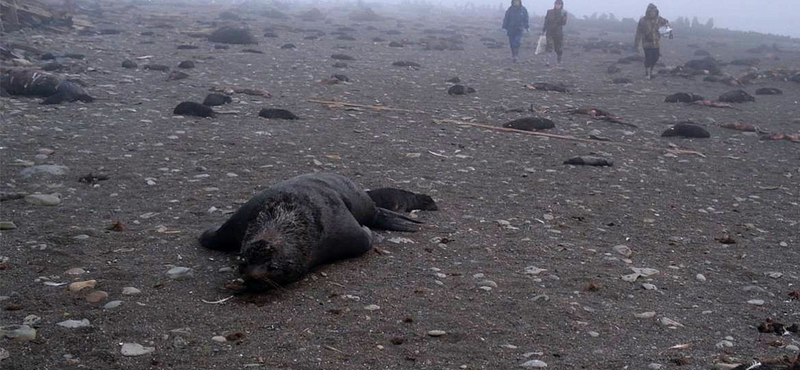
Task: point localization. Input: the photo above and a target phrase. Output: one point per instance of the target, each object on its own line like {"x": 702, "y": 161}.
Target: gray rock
{"x": 437, "y": 333}
{"x": 135, "y": 349}
{"x": 655, "y": 366}
{"x": 792, "y": 348}
{"x": 179, "y": 273}
{"x": 45, "y": 170}
{"x": 74, "y": 324}
{"x": 756, "y": 302}
{"x": 18, "y": 333}
{"x": 219, "y": 339}
{"x": 4, "y": 354}
{"x": 43, "y": 199}
{"x": 180, "y": 343}
{"x": 112, "y": 305}
{"x": 129, "y": 290}
{"x": 623, "y": 250}
{"x": 700, "y": 277}
{"x": 372, "y": 307}
{"x": 534, "y": 364}
{"x": 31, "y": 320}
{"x": 7, "y": 225}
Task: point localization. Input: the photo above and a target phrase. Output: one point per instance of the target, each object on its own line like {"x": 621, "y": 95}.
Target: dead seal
{"x": 190, "y": 108}
{"x": 682, "y": 97}
{"x": 31, "y": 82}
{"x": 296, "y": 225}
{"x": 215, "y": 100}
{"x": 399, "y": 200}
{"x": 530, "y": 124}
{"x": 275, "y": 113}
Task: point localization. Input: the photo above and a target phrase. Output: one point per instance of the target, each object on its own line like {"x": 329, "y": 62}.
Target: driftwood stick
{"x": 354, "y": 105}
{"x": 564, "y": 137}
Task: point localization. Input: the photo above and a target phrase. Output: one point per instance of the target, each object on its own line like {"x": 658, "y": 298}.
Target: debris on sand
{"x": 404, "y": 63}
{"x": 31, "y": 82}
{"x": 769, "y": 91}
{"x": 530, "y": 124}
{"x": 770, "y": 326}
{"x": 683, "y": 98}
{"x": 795, "y": 138}
{"x": 214, "y": 100}
{"x": 687, "y": 130}
{"x": 544, "y": 86}
{"x": 274, "y": 113}
{"x": 460, "y": 90}
{"x": 713, "y": 104}
{"x": 736, "y": 96}
{"x": 190, "y": 108}
{"x": 240, "y": 90}
{"x": 587, "y": 160}
{"x": 740, "y": 127}
{"x": 602, "y": 115}
{"x": 233, "y": 35}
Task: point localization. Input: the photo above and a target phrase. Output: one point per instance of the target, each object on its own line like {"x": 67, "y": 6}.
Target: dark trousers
{"x": 651, "y": 56}
{"x": 515, "y": 40}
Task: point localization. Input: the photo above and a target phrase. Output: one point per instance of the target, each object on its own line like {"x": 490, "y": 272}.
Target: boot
{"x": 559, "y": 58}
{"x": 514, "y": 54}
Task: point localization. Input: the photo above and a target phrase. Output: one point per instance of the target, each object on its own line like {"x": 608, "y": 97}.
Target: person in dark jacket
{"x": 554, "y": 23}
{"x": 648, "y": 36}
{"x": 515, "y": 22}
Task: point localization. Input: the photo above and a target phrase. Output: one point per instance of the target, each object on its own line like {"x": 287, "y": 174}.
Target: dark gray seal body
{"x": 287, "y": 230}
{"x": 399, "y": 200}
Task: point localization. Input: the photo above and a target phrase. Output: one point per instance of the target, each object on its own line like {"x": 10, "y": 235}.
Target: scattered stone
{"x": 219, "y": 339}
{"x": 655, "y": 366}
{"x": 645, "y": 315}
{"x": 534, "y": 364}
{"x": 460, "y": 90}
{"x": 74, "y": 324}
{"x": 756, "y": 302}
{"x": 97, "y": 296}
{"x": 590, "y": 161}
{"x": 130, "y": 291}
{"x": 487, "y": 283}
{"x": 233, "y": 35}
{"x": 179, "y": 273}
{"x": 670, "y": 322}
{"x": 436, "y": 333}
{"x": 45, "y": 169}
{"x": 274, "y": 113}
{"x": 135, "y": 349}
{"x": 623, "y": 250}
{"x": 530, "y": 124}
{"x": 18, "y": 333}
{"x": 533, "y": 270}
{"x": 724, "y": 344}
{"x": 4, "y": 354}
{"x": 31, "y": 320}
{"x": 736, "y": 96}
{"x": 156, "y": 67}
{"x": 186, "y": 64}
{"x": 7, "y": 225}
{"x": 112, "y": 305}
{"x": 700, "y": 277}
{"x": 190, "y": 108}
{"x": 372, "y": 307}
{"x": 80, "y": 285}
{"x": 43, "y": 199}
{"x": 687, "y": 130}
{"x": 648, "y": 286}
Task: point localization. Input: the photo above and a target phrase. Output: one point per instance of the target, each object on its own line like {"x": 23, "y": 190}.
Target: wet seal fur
{"x": 736, "y": 96}
{"x": 274, "y": 113}
{"x": 31, "y": 82}
{"x": 399, "y": 200}
{"x": 298, "y": 224}
{"x": 687, "y": 130}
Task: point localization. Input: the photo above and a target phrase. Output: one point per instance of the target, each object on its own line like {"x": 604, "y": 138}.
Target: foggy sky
{"x": 769, "y": 16}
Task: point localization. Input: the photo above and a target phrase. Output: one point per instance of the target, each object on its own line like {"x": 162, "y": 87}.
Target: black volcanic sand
{"x": 506, "y": 201}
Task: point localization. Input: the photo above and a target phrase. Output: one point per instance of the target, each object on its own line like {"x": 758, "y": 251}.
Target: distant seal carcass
{"x": 33, "y": 82}
{"x": 298, "y": 224}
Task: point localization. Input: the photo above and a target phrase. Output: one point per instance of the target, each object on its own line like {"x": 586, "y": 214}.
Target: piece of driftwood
{"x": 334, "y": 104}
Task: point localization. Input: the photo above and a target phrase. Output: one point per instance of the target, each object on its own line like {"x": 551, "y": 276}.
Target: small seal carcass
{"x": 301, "y": 223}
{"x": 33, "y": 82}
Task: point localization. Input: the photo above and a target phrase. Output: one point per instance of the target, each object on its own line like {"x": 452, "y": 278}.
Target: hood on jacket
{"x": 561, "y": 2}
{"x": 513, "y": 1}
{"x": 651, "y": 9}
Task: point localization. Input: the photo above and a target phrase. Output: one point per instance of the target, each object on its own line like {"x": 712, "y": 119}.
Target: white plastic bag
{"x": 541, "y": 45}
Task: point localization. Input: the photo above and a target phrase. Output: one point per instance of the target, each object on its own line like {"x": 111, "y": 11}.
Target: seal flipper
{"x": 388, "y": 220}
{"x": 212, "y": 240}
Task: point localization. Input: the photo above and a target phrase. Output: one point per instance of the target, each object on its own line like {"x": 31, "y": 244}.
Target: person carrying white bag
{"x": 553, "y": 31}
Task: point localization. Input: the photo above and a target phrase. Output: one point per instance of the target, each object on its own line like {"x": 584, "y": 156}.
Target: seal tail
{"x": 388, "y": 220}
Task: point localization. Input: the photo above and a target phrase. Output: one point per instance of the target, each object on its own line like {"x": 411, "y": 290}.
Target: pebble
{"x": 655, "y": 366}
{"x": 135, "y": 349}
{"x": 594, "y": 334}
{"x": 700, "y": 277}
{"x": 43, "y": 199}
{"x": 226, "y": 269}
{"x": 792, "y": 348}
{"x": 534, "y": 364}
{"x": 31, "y": 320}
{"x": 96, "y": 296}
{"x": 648, "y": 286}
{"x": 623, "y": 250}
{"x": 724, "y": 344}
{"x": 784, "y": 244}
{"x": 129, "y": 290}
{"x": 74, "y": 324}
{"x": 179, "y": 273}
{"x": 533, "y": 270}
{"x": 45, "y": 169}
{"x": 112, "y": 305}
{"x": 80, "y": 285}
{"x": 645, "y": 315}
{"x": 18, "y": 333}
{"x": 219, "y": 339}
{"x": 75, "y": 271}
{"x": 487, "y": 283}
{"x": 4, "y": 354}
{"x": 372, "y": 307}
{"x": 756, "y": 302}
{"x": 670, "y": 322}
{"x": 436, "y": 333}
{"x": 7, "y": 225}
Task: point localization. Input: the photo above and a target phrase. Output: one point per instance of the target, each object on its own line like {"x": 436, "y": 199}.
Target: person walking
{"x": 515, "y": 22}
{"x": 648, "y": 35}
{"x": 554, "y": 23}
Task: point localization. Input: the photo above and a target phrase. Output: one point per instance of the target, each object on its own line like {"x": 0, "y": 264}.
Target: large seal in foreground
{"x": 298, "y": 224}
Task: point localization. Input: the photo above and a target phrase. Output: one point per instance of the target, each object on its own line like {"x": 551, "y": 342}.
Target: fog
{"x": 776, "y": 16}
